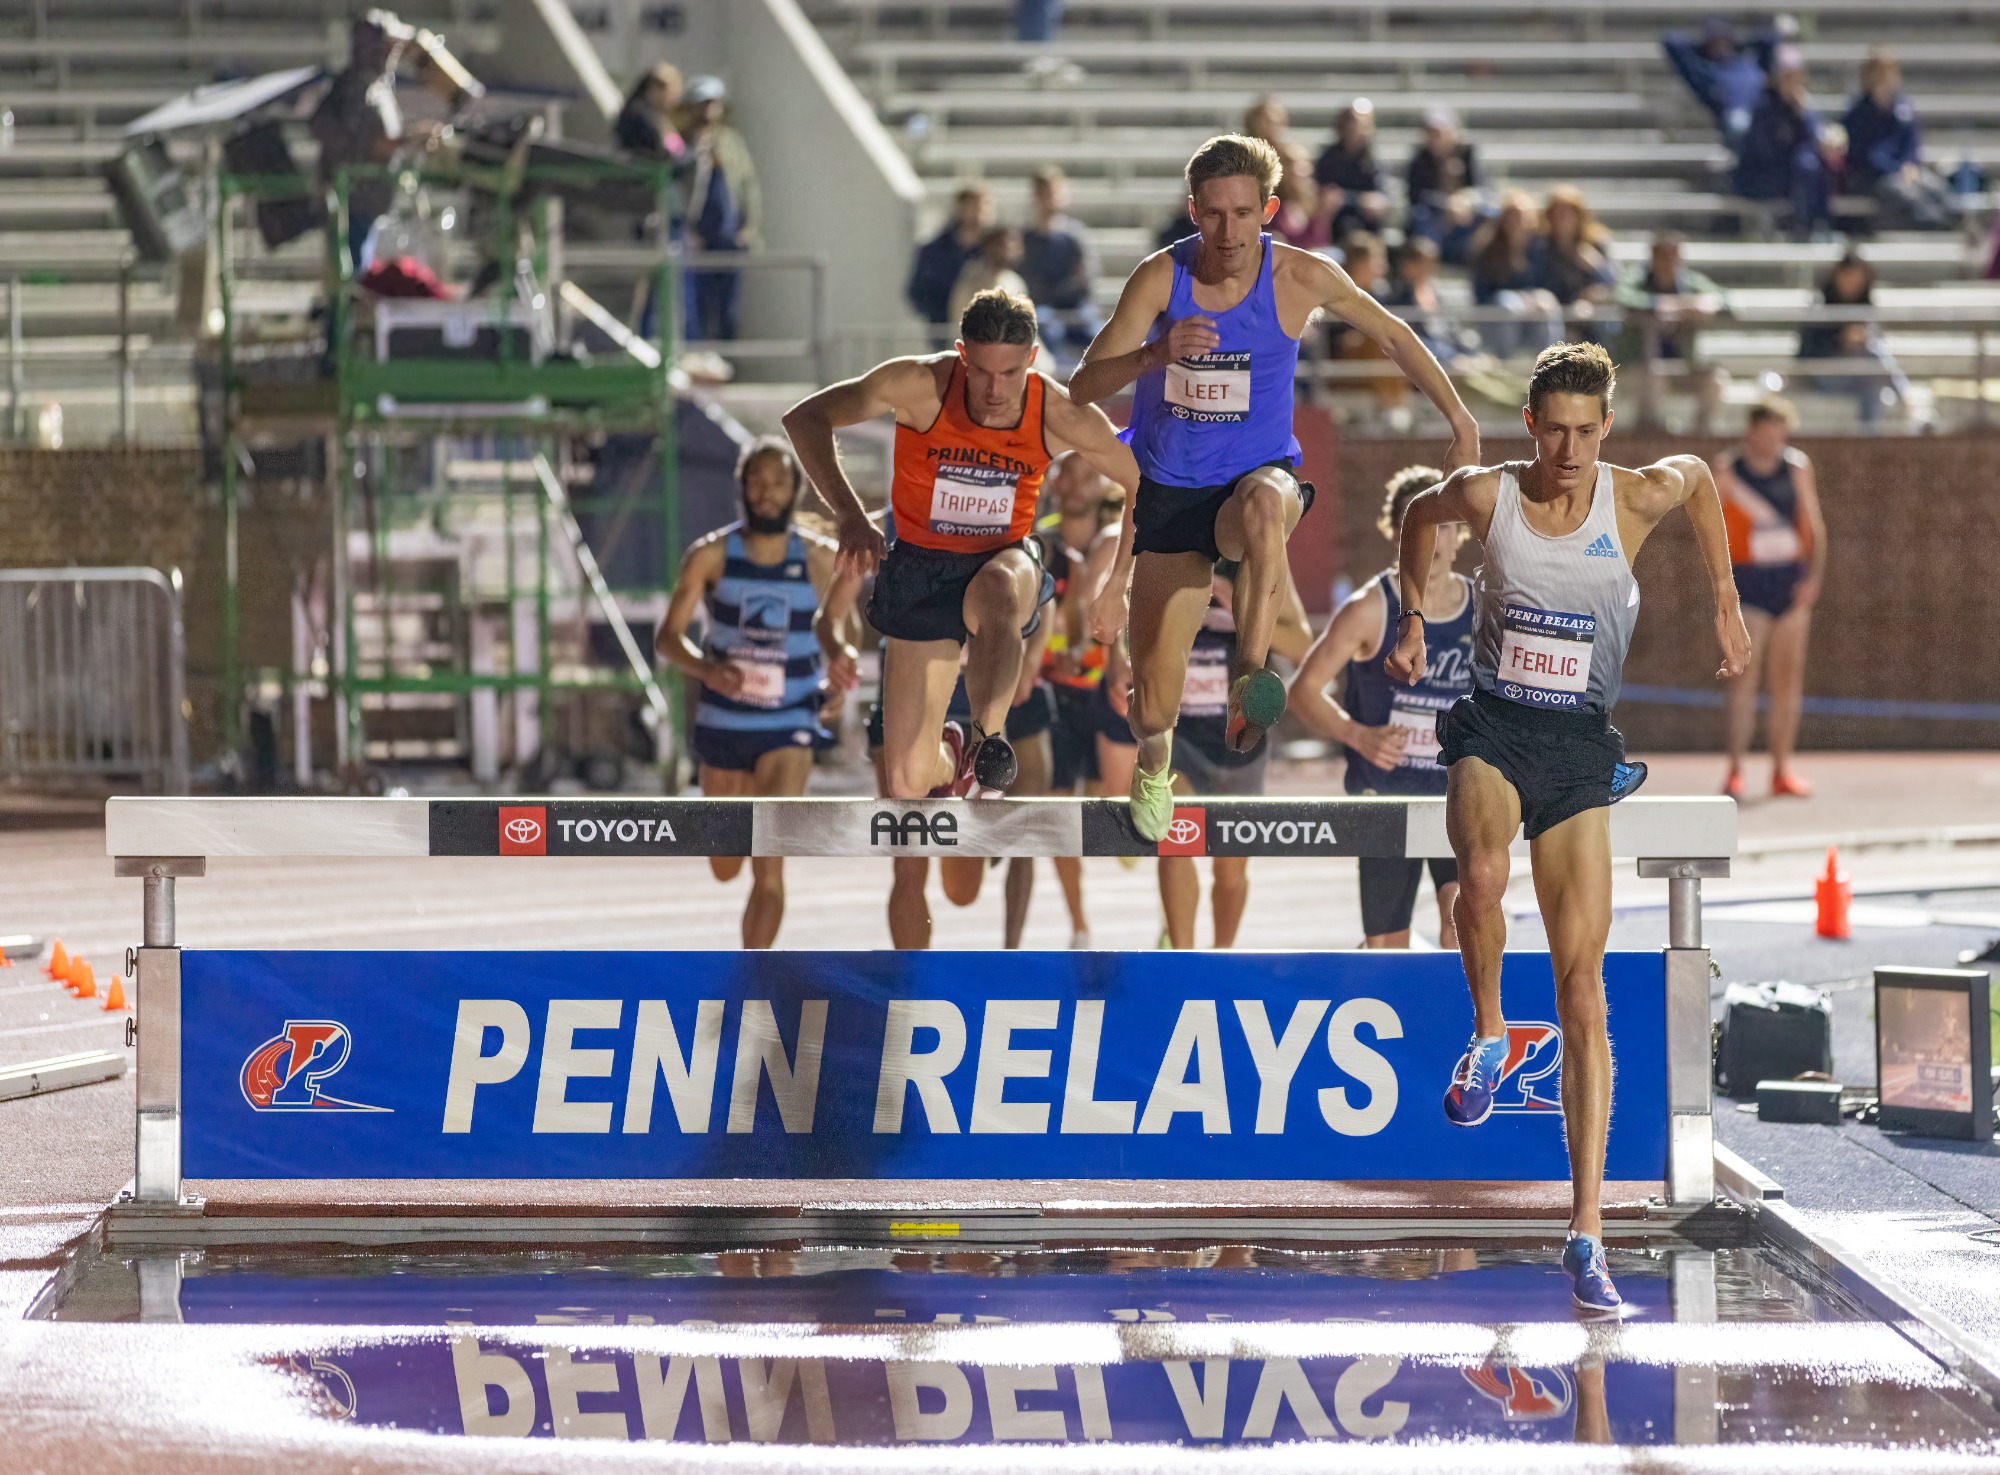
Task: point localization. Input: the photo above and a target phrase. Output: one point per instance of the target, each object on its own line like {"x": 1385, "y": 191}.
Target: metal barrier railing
{"x": 93, "y": 674}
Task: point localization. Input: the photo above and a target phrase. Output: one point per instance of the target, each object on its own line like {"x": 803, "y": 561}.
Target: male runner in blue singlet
{"x": 776, "y": 639}
{"x": 1533, "y": 747}
{"x": 1208, "y": 333}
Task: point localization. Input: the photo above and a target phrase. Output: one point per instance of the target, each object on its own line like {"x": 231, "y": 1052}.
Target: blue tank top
{"x": 1374, "y": 700}
{"x": 1204, "y": 421}
{"x": 760, "y": 617}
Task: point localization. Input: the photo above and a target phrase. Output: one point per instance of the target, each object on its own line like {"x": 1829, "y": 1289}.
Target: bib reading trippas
{"x": 1553, "y": 616}
{"x": 963, "y": 487}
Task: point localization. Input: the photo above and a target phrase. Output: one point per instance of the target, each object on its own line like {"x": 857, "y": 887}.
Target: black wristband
{"x": 1406, "y": 614}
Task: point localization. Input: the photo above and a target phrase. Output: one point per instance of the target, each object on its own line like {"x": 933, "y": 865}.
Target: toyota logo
{"x": 1184, "y": 831}
{"x": 523, "y": 831}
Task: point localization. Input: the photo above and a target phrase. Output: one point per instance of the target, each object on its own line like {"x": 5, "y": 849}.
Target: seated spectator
{"x": 994, "y": 265}
{"x": 1851, "y": 284}
{"x": 1442, "y": 174}
{"x": 1300, "y": 221}
{"x": 1268, "y": 118}
{"x": 1367, "y": 263}
{"x": 1779, "y": 157}
{"x": 725, "y": 205}
{"x": 1349, "y": 179}
{"x": 1413, "y": 293}
{"x": 1725, "y": 78}
{"x": 646, "y": 125}
{"x": 1665, "y": 304}
{"x": 1503, "y": 276}
{"x": 1885, "y": 151}
{"x": 1571, "y": 258}
{"x": 1059, "y": 264}
{"x": 944, "y": 255}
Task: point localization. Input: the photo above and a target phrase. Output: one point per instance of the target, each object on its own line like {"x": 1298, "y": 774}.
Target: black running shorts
{"x": 1389, "y": 890}
{"x": 920, "y": 592}
{"x": 1171, "y": 519}
{"x": 1560, "y": 763}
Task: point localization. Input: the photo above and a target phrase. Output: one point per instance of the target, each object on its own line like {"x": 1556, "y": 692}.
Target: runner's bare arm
{"x": 836, "y": 624}
{"x": 1293, "y": 631}
{"x": 1466, "y": 496}
{"x": 888, "y": 388}
{"x": 1334, "y": 291}
{"x": 1120, "y": 353}
{"x": 1807, "y": 482}
{"x": 700, "y": 569}
{"x": 1089, "y": 432}
{"x": 1687, "y": 481}
{"x": 1354, "y": 632}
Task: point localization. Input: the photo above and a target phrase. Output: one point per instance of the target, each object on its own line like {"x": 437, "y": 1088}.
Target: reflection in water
{"x": 1213, "y": 1345}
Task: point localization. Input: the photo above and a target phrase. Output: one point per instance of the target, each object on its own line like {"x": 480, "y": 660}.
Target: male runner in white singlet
{"x": 1533, "y": 746}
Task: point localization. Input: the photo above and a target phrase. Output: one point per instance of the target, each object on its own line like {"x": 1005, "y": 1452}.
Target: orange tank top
{"x": 961, "y": 487}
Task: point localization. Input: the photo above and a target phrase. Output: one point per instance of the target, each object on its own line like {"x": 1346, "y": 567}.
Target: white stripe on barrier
{"x": 1667, "y": 827}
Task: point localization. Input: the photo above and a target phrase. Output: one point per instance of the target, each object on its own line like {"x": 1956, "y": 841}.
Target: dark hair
{"x": 1401, "y": 490}
{"x": 664, "y": 72}
{"x": 998, "y": 316}
{"x": 1572, "y": 368}
{"x": 1230, "y": 154}
{"x": 769, "y": 446}
{"x": 1851, "y": 258}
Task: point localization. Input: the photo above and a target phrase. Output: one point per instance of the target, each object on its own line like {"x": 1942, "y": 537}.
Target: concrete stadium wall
{"x": 1908, "y": 613}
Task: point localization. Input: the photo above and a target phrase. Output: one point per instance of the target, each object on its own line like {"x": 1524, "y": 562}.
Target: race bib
{"x": 1210, "y": 387}
{"x": 972, "y": 501}
{"x": 1775, "y": 545}
{"x": 1419, "y": 726}
{"x": 1545, "y": 657}
{"x": 1206, "y": 691}
{"x": 763, "y": 676}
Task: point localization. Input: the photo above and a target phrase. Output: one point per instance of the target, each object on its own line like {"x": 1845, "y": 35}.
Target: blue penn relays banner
{"x": 883, "y": 1065}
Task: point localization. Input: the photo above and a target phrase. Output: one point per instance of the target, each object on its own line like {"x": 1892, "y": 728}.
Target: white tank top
{"x": 1554, "y": 615}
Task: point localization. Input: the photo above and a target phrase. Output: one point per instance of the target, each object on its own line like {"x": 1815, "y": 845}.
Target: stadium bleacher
{"x": 1577, "y": 94}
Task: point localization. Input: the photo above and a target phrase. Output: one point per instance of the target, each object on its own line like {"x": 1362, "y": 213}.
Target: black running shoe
{"x": 994, "y": 768}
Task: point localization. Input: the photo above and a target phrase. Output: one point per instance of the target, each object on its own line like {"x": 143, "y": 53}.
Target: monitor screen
{"x": 1926, "y": 1047}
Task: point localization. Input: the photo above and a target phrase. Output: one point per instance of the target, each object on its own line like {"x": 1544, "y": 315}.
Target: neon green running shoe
{"x": 1256, "y": 702}
{"x": 1153, "y": 800}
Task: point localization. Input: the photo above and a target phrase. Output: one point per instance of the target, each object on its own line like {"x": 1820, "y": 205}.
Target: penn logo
{"x": 913, "y": 827}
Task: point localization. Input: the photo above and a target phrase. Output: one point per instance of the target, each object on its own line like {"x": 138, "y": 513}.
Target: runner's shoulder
{"x": 1478, "y": 485}
{"x": 1668, "y": 478}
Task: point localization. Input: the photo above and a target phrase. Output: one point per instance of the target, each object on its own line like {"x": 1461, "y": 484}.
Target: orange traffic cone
{"x": 86, "y": 981}
{"x": 114, "y": 997}
{"x": 1831, "y": 894}
{"x": 58, "y": 968}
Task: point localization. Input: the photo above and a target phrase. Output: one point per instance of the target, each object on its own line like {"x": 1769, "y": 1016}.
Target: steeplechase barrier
{"x": 686, "y": 1081}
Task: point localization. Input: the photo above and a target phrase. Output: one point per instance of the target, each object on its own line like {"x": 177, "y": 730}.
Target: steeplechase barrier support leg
{"x": 157, "y": 1024}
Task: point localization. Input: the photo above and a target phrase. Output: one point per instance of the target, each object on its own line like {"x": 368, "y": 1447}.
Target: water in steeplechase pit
{"x": 938, "y": 1343}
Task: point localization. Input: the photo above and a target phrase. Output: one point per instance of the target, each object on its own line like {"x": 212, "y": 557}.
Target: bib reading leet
{"x": 1210, "y": 387}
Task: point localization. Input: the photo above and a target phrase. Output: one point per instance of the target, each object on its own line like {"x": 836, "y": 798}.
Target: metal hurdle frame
{"x": 161, "y": 841}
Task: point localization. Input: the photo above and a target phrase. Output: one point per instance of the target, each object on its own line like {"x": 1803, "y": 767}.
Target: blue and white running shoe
{"x": 1583, "y": 1259}
{"x": 1470, "y": 1099}
{"x": 1625, "y": 780}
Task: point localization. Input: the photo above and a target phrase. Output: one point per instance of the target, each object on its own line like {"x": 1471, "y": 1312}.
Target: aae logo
{"x": 1530, "y": 1077}
{"x": 285, "y": 1073}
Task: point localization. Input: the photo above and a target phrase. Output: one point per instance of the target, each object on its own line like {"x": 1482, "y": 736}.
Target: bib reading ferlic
{"x": 1554, "y": 611}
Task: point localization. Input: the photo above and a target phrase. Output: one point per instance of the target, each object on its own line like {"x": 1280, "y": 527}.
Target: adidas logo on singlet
{"x": 1602, "y": 548}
